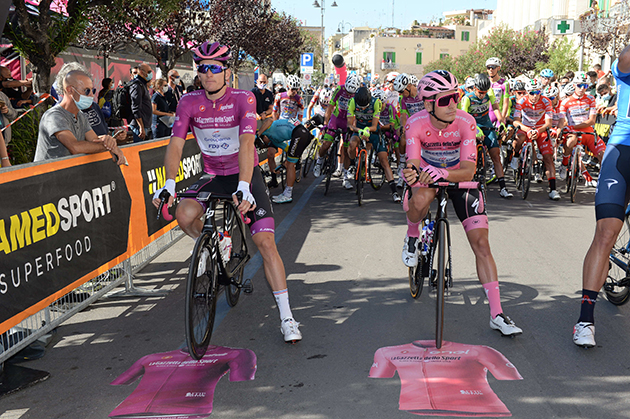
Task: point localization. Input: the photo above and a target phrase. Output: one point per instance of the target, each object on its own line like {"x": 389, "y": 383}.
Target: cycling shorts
{"x": 300, "y": 139}
{"x": 261, "y": 217}
{"x": 613, "y": 185}
{"x": 543, "y": 142}
{"x": 491, "y": 140}
{"x": 596, "y": 146}
{"x": 333, "y": 124}
{"x": 470, "y": 207}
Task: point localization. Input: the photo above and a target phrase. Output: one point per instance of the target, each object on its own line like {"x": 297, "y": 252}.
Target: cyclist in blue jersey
{"x": 611, "y": 200}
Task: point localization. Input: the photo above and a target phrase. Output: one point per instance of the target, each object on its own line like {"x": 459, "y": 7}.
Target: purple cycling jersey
{"x": 411, "y": 105}
{"x": 175, "y": 384}
{"x": 217, "y": 126}
{"x": 340, "y": 100}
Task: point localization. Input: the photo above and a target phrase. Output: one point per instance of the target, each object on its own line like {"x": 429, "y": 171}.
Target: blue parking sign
{"x": 307, "y": 60}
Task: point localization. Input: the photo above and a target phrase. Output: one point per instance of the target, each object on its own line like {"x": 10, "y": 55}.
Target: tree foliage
{"x": 518, "y": 51}
{"x": 607, "y": 33}
{"x": 41, "y": 37}
{"x": 561, "y": 57}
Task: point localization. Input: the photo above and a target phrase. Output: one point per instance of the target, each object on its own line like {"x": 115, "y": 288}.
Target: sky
{"x": 373, "y": 13}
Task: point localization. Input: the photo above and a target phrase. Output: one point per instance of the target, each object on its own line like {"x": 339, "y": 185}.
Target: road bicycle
{"x": 434, "y": 258}
{"x": 331, "y": 158}
{"x": 617, "y": 285}
{"x": 507, "y": 148}
{"x": 219, "y": 258}
{"x": 576, "y": 165}
{"x": 368, "y": 170}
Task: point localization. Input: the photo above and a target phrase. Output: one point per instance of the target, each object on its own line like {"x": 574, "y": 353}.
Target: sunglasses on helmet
{"x": 213, "y": 68}
{"x": 444, "y": 101}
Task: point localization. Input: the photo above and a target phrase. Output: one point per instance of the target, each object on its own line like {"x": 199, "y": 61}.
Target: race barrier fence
{"x": 73, "y": 229}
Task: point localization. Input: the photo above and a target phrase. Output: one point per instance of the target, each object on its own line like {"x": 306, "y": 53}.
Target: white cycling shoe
{"x": 410, "y": 252}
{"x": 562, "y": 173}
{"x": 504, "y": 193}
{"x": 554, "y": 195}
{"x": 514, "y": 163}
{"x": 505, "y": 325}
{"x": 317, "y": 169}
{"x": 290, "y": 330}
{"x": 283, "y": 198}
{"x": 584, "y": 334}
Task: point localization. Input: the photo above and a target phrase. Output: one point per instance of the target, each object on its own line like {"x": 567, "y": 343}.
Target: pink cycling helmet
{"x": 211, "y": 51}
{"x": 438, "y": 81}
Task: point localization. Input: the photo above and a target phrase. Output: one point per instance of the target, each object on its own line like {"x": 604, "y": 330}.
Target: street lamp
{"x": 341, "y": 28}
{"x": 316, "y": 4}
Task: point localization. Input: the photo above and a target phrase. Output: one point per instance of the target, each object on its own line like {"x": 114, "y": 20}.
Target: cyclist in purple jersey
{"x": 500, "y": 88}
{"x": 223, "y": 121}
{"x": 337, "y": 117}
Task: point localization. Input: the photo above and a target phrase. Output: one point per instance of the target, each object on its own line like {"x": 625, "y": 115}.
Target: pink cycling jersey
{"x": 450, "y": 381}
{"x": 217, "y": 126}
{"x": 444, "y": 148}
{"x": 175, "y": 384}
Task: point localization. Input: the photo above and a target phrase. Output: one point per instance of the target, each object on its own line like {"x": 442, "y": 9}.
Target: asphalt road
{"x": 349, "y": 289}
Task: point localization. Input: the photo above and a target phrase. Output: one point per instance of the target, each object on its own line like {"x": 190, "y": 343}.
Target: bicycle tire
{"x": 201, "y": 298}
{"x": 440, "y": 282}
{"x": 480, "y": 174}
{"x": 330, "y": 165}
{"x": 311, "y": 156}
{"x": 574, "y": 175}
{"x": 527, "y": 171}
{"x": 617, "y": 285}
{"x": 281, "y": 170}
{"x": 506, "y": 155}
{"x": 360, "y": 176}
{"x": 233, "y": 225}
{"x": 377, "y": 173}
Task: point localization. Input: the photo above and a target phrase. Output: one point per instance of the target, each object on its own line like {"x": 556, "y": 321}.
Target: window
{"x": 418, "y": 58}
{"x": 465, "y": 36}
{"x": 389, "y": 57}
{"x": 443, "y": 55}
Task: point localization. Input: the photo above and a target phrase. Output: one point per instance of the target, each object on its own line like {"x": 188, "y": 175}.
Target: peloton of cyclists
{"x": 441, "y": 143}
{"x": 223, "y": 121}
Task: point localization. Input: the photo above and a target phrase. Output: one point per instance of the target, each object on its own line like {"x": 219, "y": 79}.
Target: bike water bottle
{"x": 225, "y": 247}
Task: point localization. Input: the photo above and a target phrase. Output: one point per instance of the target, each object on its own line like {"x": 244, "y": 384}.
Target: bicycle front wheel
{"x": 202, "y": 287}
{"x": 617, "y": 285}
{"x": 527, "y": 169}
{"x": 311, "y": 156}
{"x": 574, "y": 176}
{"x": 330, "y": 165}
{"x": 377, "y": 173}
{"x": 442, "y": 259}
{"x": 360, "y": 176}
{"x": 233, "y": 228}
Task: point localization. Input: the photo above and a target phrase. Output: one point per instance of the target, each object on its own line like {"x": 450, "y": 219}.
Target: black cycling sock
{"x": 501, "y": 182}
{"x": 552, "y": 183}
{"x": 588, "y": 306}
{"x": 392, "y": 186}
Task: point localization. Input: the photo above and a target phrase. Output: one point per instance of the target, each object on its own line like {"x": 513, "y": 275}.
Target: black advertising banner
{"x": 56, "y": 228}
{"x": 154, "y": 177}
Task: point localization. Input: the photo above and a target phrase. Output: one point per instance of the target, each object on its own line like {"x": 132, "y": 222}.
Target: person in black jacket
{"x": 141, "y": 107}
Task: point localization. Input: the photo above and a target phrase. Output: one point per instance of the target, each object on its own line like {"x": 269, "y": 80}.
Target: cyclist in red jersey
{"x": 441, "y": 142}
{"x": 533, "y": 116}
{"x": 223, "y": 121}
{"x": 580, "y": 112}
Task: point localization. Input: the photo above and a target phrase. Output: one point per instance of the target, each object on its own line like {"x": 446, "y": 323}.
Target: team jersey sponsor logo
{"x": 261, "y": 212}
{"x": 250, "y": 100}
{"x": 196, "y": 394}
{"x": 249, "y": 128}
{"x": 471, "y": 392}
{"x": 202, "y": 108}
{"x": 473, "y": 127}
{"x": 467, "y": 142}
{"x": 250, "y": 115}
{"x": 450, "y": 134}
{"x": 410, "y": 141}
{"x": 226, "y": 107}
{"x": 428, "y": 134}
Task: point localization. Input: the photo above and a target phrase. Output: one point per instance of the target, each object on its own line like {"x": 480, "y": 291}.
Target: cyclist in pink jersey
{"x": 410, "y": 103}
{"x": 223, "y": 121}
{"x": 441, "y": 143}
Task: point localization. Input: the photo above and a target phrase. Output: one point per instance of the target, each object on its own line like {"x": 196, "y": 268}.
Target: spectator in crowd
{"x": 8, "y": 113}
{"x": 190, "y": 88}
{"x": 174, "y": 91}
{"x": 13, "y": 88}
{"x": 598, "y": 69}
{"x": 592, "y": 87}
{"x": 105, "y": 96}
{"x": 197, "y": 83}
{"x": 161, "y": 110}
{"x": 63, "y": 130}
{"x": 563, "y": 82}
{"x": 4, "y": 155}
{"x": 603, "y": 96}
{"x": 133, "y": 72}
{"x": 570, "y": 75}
{"x": 264, "y": 97}
{"x": 141, "y": 108}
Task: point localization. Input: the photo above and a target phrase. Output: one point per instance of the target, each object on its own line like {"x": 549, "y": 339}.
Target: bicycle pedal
{"x": 248, "y": 286}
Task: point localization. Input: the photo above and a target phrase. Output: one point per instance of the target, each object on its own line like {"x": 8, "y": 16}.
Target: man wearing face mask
{"x": 264, "y": 96}
{"x": 141, "y": 107}
{"x": 174, "y": 91}
{"x": 64, "y": 131}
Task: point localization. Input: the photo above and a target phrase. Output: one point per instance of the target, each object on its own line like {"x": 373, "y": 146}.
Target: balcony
{"x": 388, "y": 66}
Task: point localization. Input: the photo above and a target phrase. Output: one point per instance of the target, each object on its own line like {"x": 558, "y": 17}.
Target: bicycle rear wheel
{"x": 574, "y": 175}
{"x": 441, "y": 283}
{"x": 233, "y": 227}
{"x": 360, "y": 175}
{"x": 527, "y": 170}
{"x": 617, "y": 285}
{"x": 377, "y": 173}
{"x": 201, "y": 297}
{"x": 421, "y": 271}
{"x": 330, "y": 164}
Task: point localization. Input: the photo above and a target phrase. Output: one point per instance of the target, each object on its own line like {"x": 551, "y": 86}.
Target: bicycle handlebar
{"x": 164, "y": 196}
{"x": 454, "y": 185}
